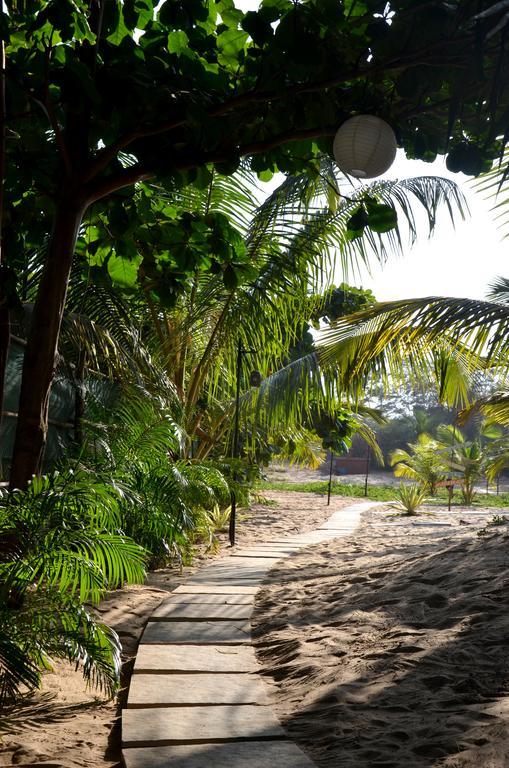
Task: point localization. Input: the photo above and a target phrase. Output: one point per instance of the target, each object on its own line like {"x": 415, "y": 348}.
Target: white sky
{"x": 456, "y": 261}
{"x": 459, "y": 261}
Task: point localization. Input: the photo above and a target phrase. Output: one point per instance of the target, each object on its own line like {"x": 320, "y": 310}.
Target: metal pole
{"x": 235, "y": 446}
{"x": 368, "y": 457}
{"x": 330, "y": 476}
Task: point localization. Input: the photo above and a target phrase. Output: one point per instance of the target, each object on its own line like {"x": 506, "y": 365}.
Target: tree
{"x": 423, "y": 463}
{"x": 103, "y": 95}
{"x": 263, "y": 294}
{"x": 465, "y": 457}
{"x": 461, "y": 341}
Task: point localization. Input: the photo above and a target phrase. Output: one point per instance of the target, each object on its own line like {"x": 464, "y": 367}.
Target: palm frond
{"x": 17, "y": 670}
{"x": 494, "y": 408}
{"x": 498, "y": 290}
{"x": 494, "y": 186}
{"x": 422, "y": 339}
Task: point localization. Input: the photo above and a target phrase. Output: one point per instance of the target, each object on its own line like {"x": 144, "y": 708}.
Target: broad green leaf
{"x": 230, "y": 44}
{"x": 230, "y": 278}
{"x": 124, "y": 272}
{"x": 381, "y": 217}
{"x": 358, "y": 220}
{"x": 178, "y": 42}
{"x": 120, "y": 31}
{"x": 257, "y": 27}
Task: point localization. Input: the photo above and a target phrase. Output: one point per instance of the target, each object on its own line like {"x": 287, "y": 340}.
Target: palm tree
{"x": 290, "y": 242}
{"x": 422, "y": 463}
{"x": 135, "y": 444}
{"x": 453, "y": 339}
{"x": 462, "y": 456}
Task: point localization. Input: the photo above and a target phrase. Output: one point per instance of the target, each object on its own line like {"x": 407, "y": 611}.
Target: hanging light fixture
{"x": 365, "y": 146}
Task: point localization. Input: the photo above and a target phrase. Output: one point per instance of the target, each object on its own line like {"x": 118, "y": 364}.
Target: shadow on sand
{"x": 391, "y": 652}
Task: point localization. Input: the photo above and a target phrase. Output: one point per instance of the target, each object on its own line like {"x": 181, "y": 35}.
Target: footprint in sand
{"x": 407, "y": 649}
{"x": 435, "y": 750}
{"x": 436, "y": 682}
{"x": 436, "y": 600}
{"x": 399, "y": 735}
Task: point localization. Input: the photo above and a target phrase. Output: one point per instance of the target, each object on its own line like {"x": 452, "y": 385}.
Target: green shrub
{"x": 61, "y": 549}
{"x": 410, "y": 498}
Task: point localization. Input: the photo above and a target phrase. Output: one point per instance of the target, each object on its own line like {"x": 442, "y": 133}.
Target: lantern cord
{"x": 336, "y": 190}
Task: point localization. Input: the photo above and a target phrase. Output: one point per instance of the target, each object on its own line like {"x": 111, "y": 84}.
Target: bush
{"x": 61, "y": 549}
{"x": 410, "y": 498}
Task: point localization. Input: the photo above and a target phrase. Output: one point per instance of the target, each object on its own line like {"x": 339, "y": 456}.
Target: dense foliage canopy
{"x": 105, "y": 94}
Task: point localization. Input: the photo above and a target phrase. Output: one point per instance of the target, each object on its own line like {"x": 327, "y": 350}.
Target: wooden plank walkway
{"x": 196, "y": 698}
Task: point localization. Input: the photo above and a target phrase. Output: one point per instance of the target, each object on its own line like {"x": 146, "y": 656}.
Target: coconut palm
{"x": 422, "y": 463}
{"x": 183, "y": 354}
{"x": 290, "y": 242}
{"x": 457, "y": 340}
{"x": 463, "y": 457}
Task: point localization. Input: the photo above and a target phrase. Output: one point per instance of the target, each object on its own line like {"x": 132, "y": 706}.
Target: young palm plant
{"x": 409, "y": 499}
{"x": 423, "y": 463}
{"x": 61, "y": 549}
{"x": 463, "y": 457}
{"x": 136, "y": 444}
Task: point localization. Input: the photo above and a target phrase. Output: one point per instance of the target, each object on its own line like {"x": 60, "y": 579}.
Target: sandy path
{"x": 390, "y": 649}
{"x": 67, "y": 727}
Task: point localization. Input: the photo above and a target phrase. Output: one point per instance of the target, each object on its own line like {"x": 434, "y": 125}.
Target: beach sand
{"x": 66, "y": 726}
{"x": 389, "y": 648}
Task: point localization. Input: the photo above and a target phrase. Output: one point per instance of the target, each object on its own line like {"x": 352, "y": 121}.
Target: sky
{"x": 457, "y": 261}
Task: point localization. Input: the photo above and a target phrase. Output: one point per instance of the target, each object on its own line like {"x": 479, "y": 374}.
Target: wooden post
{"x": 330, "y": 476}
{"x": 235, "y": 447}
{"x": 368, "y": 457}
{"x": 79, "y": 402}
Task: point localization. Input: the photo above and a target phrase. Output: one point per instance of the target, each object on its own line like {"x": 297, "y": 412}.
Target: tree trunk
{"x": 42, "y": 347}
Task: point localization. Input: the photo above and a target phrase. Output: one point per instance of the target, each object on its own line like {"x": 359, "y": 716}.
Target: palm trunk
{"x": 41, "y": 350}
{"x": 79, "y": 395}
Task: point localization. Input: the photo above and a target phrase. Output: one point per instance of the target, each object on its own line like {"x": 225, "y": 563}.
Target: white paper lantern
{"x": 365, "y": 146}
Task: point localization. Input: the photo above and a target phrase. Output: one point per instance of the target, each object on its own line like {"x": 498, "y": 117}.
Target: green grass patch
{"x": 376, "y": 492}
{"x": 381, "y": 493}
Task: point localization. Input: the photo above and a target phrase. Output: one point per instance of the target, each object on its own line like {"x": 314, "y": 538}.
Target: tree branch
{"x": 48, "y": 109}
{"x": 141, "y": 172}
{"x": 107, "y": 154}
